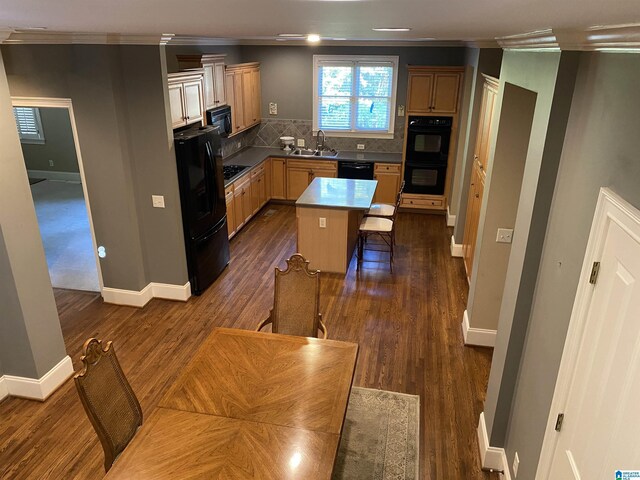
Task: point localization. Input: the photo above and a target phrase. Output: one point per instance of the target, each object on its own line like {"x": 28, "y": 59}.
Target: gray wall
{"x": 600, "y": 149}
{"x": 58, "y": 145}
{"x": 287, "y": 71}
{"x": 30, "y": 337}
{"x": 118, "y": 99}
{"x": 551, "y": 76}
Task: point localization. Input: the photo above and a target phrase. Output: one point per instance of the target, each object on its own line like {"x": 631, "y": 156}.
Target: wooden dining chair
{"x": 107, "y": 397}
{"x": 296, "y": 300}
{"x": 385, "y": 210}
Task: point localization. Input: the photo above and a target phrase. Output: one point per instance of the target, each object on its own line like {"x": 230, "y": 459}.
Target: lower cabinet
{"x": 300, "y": 173}
{"x": 242, "y": 201}
{"x": 258, "y": 189}
{"x": 388, "y": 177}
{"x": 231, "y": 213}
{"x": 278, "y": 178}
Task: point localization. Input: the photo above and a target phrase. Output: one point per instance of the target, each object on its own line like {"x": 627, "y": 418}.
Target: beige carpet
{"x": 380, "y": 437}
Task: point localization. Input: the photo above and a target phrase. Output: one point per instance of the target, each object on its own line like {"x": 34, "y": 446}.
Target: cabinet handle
{"x": 481, "y": 167}
{"x": 475, "y": 157}
{"x": 477, "y": 195}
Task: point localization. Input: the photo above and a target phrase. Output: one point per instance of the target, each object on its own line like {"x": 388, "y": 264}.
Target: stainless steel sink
{"x": 306, "y": 152}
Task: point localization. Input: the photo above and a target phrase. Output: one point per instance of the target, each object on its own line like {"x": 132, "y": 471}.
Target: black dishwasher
{"x": 355, "y": 170}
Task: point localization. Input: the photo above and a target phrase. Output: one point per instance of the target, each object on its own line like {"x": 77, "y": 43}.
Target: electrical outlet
{"x": 401, "y": 110}
{"x": 301, "y": 142}
{"x": 157, "y": 201}
{"x": 505, "y": 235}
{"x": 273, "y": 108}
{"x": 51, "y": 163}
{"x": 102, "y": 252}
{"x": 516, "y": 464}
{"x": 323, "y": 222}
{"x": 360, "y": 146}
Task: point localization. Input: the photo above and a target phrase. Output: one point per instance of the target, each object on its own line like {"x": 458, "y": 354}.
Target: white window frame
{"x": 355, "y": 59}
{"x": 37, "y": 138}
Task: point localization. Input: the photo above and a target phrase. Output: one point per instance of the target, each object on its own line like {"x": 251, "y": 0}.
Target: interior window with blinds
{"x": 29, "y": 124}
{"x": 355, "y": 96}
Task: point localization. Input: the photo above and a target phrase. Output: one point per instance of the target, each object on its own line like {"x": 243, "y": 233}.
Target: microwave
{"x": 220, "y": 117}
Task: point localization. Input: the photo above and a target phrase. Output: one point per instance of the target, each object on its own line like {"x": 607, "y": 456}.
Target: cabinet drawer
{"x": 258, "y": 170}
{"x": 387, "y": 168}
{"x": 421, "y": 202}
{"x": 228, "y": 193}
{"x": 312, "y": 165}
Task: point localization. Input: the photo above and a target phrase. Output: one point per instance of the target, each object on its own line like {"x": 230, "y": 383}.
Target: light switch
{"x": 273, "y": 108}
{"x": 323, "y": 222}
{"x": 505, "y": 235}
{"x": 401, "y": 110}
{"x": 360, "y": 146}
{"x": 158, "y": 201}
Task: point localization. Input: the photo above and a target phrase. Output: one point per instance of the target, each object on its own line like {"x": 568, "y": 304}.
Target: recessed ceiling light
{"x": 292, "y": 35}
{"x": 313, "y": 38}
{"x": 391, "y": 29}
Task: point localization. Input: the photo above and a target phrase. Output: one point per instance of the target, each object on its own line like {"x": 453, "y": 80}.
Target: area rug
{"x": 380, "y": 437}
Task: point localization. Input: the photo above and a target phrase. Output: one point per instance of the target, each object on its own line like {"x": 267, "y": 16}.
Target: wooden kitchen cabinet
{"x": 186, "y": 100}
{"x": 243, "y": 95}
{"x": 479, "y": 171}
{"x": 300, "y": 173}
{"x": 231, "y": 214}
{"x": 278, "y": 179}
{"x": 388, "y": 177}
{"x": 214, "y": 76}
{"x": 242, "y": 201}
{"x": 433, "y": 90}
{"x": 258, "y": 189}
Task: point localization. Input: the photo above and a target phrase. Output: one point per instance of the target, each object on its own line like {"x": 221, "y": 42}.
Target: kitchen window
{"x": 354, "y": 96}
{"x": 29, "y": 124}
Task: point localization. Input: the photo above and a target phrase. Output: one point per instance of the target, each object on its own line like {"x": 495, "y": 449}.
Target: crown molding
{"x": 615, "y": 38}
{"x": 191, "y": 40}
{"x": 4, "y": 34}
{"x": 354, "y": 43}
{"x": 482, "y": 44}
{"x": 65, "y": 38}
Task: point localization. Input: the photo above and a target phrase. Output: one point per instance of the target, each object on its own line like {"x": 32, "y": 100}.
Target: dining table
{"x": 248, "y": 405}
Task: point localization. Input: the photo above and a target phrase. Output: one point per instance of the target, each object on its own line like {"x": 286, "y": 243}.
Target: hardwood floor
{"x": 406, "y": 323}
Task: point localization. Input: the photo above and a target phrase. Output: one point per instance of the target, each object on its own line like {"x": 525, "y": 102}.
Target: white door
{"x": 598, "y": 388}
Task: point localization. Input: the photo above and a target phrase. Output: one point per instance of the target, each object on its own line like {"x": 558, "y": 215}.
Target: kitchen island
{"x": 328, "y": 216}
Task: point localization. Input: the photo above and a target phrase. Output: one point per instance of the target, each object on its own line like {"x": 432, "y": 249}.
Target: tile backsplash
{"x": 268, "y": 134}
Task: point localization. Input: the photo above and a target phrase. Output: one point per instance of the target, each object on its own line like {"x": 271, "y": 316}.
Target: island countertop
{"x": 339, "y": 193}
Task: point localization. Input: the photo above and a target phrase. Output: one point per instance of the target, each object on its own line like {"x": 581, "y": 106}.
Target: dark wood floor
{"x": 406, "y": 323}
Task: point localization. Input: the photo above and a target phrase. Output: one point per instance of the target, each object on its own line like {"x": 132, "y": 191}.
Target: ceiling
{"x": 443, "y": 20}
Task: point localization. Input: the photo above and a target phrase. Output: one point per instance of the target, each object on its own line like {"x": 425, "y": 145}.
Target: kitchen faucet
{"x": 320, "y": 146}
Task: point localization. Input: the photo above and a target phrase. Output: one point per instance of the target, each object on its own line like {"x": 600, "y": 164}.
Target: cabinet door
{"x": 420, "y": 86}
{"x": 247, "y": 203}
{"x": 231, "y": 213}
{"x": 278, "y": 178}
{"x": 322, "y": 173}
{"x": 387, "y": 189}
{"x": 193, "y": 101}
{"x": 267, "y": 179}
{"x": 262, "y": 192}
{"x": 255, "y": 194}
{"x": 219, "y": 84}
{"x": 255, "y": 96}
{"x": 242, "y": 199}
{"x": 483, "y": 153}
{"x": 209, "y": 87}
{"x": 247, "y": 96}
{"x": 237, "y": 117}
{"x": 298, "y": 179}
{"x": 176, "y": 104}
{"x": 445, "y": 93}
{"x": 474, "y": 202}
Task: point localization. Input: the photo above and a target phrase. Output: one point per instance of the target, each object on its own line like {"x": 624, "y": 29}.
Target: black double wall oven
{"x": 427, "y": 153}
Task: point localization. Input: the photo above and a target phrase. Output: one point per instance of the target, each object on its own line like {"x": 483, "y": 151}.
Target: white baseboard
{"x": 4, "y": 391}
{"x": 491, "y": 457}
{"x": 451, "y": 219}
{"x": 477, "y": 336}
{"x": 53, "y": 175}
{"x": 456, "y": 248}
{"x": 38, "y": 389}
{"x": 134, "y": 298}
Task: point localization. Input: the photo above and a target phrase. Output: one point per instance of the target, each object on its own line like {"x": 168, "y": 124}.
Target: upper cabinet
{"x": 214, "y": 76}
{"x": 433, "y": 89}
{"x": 243, "y": 95}
{"x": 186, "y": 97}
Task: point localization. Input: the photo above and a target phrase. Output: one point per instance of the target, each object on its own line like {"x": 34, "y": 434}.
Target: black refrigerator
{"x": 204, "y": 211}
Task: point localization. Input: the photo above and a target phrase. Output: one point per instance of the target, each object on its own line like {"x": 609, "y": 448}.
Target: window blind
{"x": 29, "y": 124}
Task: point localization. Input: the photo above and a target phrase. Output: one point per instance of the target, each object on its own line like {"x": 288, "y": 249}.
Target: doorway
{"x": 53, "y": 162}
{"x": 593, "y": 422}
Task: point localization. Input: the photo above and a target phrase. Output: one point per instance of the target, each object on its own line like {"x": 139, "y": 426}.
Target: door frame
{"x": 610, "y": 208}
{"x": 48, "y": 102}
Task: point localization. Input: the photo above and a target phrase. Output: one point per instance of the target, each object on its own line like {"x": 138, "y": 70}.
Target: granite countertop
{"x": 338, "y": 193}
{"x": 252, "y": 156}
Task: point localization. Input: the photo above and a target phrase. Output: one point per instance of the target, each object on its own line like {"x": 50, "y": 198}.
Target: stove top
{"x": 231, "y": 171}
